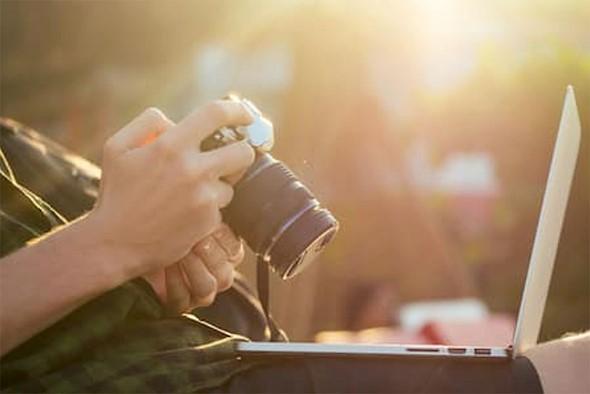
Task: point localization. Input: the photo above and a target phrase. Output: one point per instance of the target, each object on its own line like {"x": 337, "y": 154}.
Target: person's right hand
{"x": 157, "y": 200}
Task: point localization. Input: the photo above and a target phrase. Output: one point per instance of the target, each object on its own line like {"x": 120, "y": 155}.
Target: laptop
{"x": 536, "y": 286}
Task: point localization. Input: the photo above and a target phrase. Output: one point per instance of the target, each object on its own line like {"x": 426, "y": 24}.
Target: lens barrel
{"x": 278, "y": 217}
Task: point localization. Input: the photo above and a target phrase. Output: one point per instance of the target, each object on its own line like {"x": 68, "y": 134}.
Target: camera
{"x": 272, "y": 210}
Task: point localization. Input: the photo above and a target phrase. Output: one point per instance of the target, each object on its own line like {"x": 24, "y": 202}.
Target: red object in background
{"x": 496, "y": 330}
{"x": 473, "y": 211}
{"x": 373, "y": 335}
{"x": 391, "y": 335}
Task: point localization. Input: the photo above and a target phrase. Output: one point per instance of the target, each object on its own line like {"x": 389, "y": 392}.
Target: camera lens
{"x": 278, "y": 217}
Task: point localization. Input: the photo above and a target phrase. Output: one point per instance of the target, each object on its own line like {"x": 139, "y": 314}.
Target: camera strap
{"x": 263, "y": 287}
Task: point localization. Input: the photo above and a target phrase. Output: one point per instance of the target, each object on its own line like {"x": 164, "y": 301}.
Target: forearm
{"x": 45, "y": 281}
{"x": 142, "y": 221}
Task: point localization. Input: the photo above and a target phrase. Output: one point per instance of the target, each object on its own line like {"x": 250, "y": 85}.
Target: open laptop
{"x": 537, "y": 280}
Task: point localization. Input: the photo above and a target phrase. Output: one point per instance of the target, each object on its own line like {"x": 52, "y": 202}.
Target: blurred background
{"x": 426, "y": 126}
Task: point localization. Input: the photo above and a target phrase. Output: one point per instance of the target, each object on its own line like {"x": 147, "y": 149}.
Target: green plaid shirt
{"x": 119, "y": 342}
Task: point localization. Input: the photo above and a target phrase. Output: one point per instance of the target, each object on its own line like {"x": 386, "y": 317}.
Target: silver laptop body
{"x": 536, "y": 286}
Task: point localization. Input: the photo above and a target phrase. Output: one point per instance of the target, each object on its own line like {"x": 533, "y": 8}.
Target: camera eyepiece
{"x": 272, "y": 210}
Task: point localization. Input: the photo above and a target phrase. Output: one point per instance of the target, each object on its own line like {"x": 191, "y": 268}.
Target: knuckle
{"x": 228, "y": 194}
{"x": 155, "y": 115}
{"x": 238, "y": 255}
{"x": 110, "y": 147}
{"x": 208, "y": 300}
{"x": 203, "y": 198}
{"x": 207, "y": 288}
{"x": 210, "y": 197}
{"x": 202, "y": 247}
{"x": 226, "y": 280}
{"x": 156, "y": 119}
{"x": 199, "y": 173}
{"x": 209, "y": 285}
{"x": 197, "y": 170}
{"x": 217, "y": 111}
{"x": 186, "y": 168}
{"x": 197, "y": 202}
{"x": 164, "y": 148}
{"x": 231, "y": 243}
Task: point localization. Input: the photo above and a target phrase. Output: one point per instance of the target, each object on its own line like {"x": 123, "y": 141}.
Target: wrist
{"x": 115, "y": 263}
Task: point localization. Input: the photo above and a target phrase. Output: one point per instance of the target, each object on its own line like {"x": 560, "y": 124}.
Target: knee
{"x": 563, "y": 364}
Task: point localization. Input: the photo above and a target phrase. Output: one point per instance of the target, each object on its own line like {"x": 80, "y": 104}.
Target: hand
{"x": 208, "y": 269}
{"x": 156, "y": 200}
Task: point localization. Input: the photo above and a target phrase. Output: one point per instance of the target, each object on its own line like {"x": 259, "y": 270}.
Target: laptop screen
{"x": 544, "y": 250}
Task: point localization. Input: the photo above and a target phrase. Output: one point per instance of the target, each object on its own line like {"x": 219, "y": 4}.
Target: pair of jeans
{"x": 380, "y": 375}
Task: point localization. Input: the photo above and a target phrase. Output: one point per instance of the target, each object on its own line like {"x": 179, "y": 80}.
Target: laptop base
{"x": 301, "y": 349}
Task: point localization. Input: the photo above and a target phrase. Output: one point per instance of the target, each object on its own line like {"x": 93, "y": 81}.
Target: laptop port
{"x": 422, "y": 349}
{"x": 457, "y": 350}
{"x": 480, "y": 350}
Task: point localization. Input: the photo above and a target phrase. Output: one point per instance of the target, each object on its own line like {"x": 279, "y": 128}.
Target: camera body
{"x": 276, "y": 214}
{"x": 260, "y": 133}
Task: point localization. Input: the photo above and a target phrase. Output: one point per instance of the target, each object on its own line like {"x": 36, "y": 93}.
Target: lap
{"x": 354, "y": 375}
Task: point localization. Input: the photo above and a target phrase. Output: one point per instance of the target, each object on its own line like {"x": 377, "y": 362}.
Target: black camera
{"x": 278, "y": 217}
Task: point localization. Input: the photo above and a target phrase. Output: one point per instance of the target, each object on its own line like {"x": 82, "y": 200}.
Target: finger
{"x": 208, "y": 118}
{"x": 224, "y": 193}
{"x": 215, "y": 192}
{"x": 224, "y": 275}
{"x": 230, "y": 159}
{"x": 203, "y": 285}
{"x": 216, "y": 261}
{"x": 178, "y": 297}
{"x": 233, "y": 246}
{"x": 237, "y": 258}
{"x": 211, "y": 253}
{"x": 232, "y": 179}
{"x": 141, "y": 130}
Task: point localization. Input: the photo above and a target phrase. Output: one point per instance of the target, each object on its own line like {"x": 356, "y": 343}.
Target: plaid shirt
{"x": 121, "y": 341}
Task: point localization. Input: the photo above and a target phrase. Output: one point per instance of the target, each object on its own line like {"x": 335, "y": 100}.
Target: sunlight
{"x": 440, "y": 20}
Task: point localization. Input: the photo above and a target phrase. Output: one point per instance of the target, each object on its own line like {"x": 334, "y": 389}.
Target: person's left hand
{"x": 198, "y": 277}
